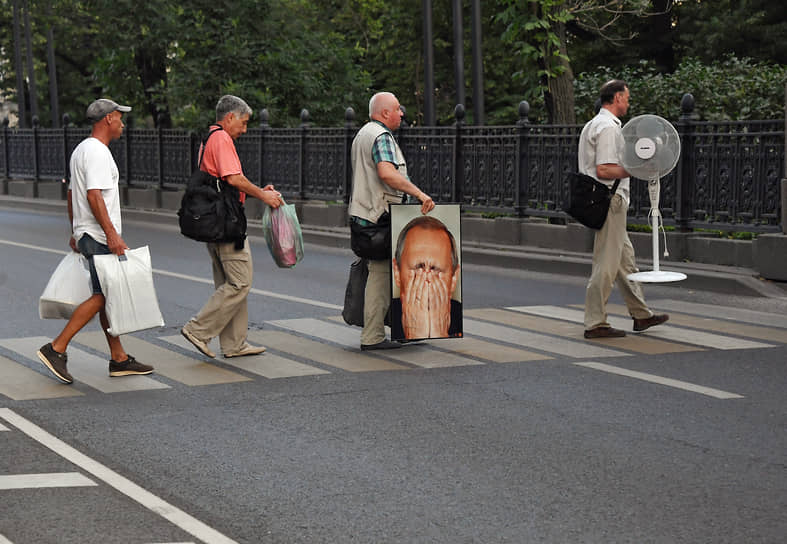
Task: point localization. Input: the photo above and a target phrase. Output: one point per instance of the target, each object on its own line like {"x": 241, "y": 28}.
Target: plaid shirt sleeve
{"x": 384, "y": 150}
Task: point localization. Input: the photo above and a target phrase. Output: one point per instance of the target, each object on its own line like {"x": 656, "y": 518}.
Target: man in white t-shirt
{"x": 94, "y": 211}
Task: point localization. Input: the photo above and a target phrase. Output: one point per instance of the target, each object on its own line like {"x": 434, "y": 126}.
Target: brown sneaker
{"x": 55, "y": 362}
{"x": 648, "y": 322}
{"x": 604, "y": 332}
{"x": 129, "y": 367}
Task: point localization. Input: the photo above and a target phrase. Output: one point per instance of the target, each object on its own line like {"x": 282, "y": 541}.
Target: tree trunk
{"x": 559, "y": 96}
{"x": 152, "y": 67}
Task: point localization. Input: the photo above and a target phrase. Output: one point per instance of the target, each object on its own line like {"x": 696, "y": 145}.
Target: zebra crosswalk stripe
{"x": 21, "y": 383}
{"x": 86, "y": 367}
{"x": 166, "y": 362}
{"x": 666, "y": 332}
{"x": 268, "y": 365}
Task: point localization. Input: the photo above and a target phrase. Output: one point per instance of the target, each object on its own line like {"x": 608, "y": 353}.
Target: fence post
{"x": 35, "y": 149}
{"x": 160, "y": 149}
{"x": 302, "y": 154}
{"x": 5, "y": 149}
{"x": 784, "y": 179}
{"x": 66, "y": 121}
{"x": 522, "y": 165}
{"x": 264, "y": 126}
{"x": 127, "y": 161}
{"x": 457, "y": 190}
{"x": 684, "y": 175}
{"x": 349, "y": 125}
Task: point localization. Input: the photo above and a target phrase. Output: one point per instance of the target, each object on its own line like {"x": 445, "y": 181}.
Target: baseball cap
{"x": 102, "y": 107}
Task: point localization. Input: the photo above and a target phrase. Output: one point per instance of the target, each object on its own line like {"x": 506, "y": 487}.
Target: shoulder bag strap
{"x": 205, "y": 144}
{"x": 614, "y": 186}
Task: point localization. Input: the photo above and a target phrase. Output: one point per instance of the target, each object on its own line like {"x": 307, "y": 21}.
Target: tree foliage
{"x": 172, "y": 59}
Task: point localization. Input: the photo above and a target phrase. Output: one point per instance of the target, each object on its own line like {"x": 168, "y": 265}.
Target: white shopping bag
{"x": 127, "y": 284}
{"x": 68, "y": 287}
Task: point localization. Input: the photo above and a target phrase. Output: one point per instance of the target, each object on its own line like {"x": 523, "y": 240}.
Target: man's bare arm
{"x": 268, "y": 195}
{"x": 611, "y": 171}
{"x": 393, "y": 179}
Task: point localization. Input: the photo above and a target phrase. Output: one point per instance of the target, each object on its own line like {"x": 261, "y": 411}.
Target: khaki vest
{"x": 370, "y": 196}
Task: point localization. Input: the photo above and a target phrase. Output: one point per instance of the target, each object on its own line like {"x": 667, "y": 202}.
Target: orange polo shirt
{"x": 221, "y": 158}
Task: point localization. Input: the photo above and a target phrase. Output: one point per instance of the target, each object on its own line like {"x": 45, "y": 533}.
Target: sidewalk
{"x": 700, "y": 276}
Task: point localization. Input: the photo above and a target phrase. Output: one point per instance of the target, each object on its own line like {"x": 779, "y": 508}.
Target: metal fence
{"x": 728, "y": 176}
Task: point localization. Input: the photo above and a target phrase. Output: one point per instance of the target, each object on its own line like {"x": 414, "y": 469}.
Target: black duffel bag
{"x": 371, "y": 240}
{"x": 588, "y": 199}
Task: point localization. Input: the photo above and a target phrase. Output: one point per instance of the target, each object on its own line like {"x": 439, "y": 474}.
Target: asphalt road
{"x": 521, "y": 432}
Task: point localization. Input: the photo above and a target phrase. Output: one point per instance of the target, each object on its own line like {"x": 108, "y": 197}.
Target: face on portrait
{"x": 425, "y": 272}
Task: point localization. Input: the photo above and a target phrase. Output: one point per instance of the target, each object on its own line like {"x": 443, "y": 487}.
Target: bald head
{"x": 384, "y": 107}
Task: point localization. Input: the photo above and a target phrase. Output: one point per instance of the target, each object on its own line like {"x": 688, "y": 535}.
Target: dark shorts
{"x": 88, "y": 247}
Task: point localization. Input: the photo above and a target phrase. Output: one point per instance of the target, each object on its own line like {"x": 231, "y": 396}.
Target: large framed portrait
{"x": 426, "y": 279}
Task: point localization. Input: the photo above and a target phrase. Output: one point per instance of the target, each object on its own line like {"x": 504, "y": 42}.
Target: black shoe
{"x": 604, "y": 332}
{"x": 129, "y": 367}
{"x": 55, "y": 362}
{"x": 648, "y": 322}
{"x": 385, "y": 344}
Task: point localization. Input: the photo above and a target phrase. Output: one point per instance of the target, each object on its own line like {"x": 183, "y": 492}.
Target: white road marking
{"x": 664, "y": 332}
{"x": 686, "y": 386}
{"x": 4, "y": 540}
{"x": 147, "y": 499}
{"x": 52, "y": 479}
{"x": 196, "y": 279}
{"x": 4, "y": 428}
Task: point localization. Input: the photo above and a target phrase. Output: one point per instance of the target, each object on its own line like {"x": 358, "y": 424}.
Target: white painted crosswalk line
{"x": 543, "y": 342}
{"x": 419, "y": 355}
{"x": 665, "y": 332}
{"x": 268, "y": 365}
{"x": 756, "y": 332}
{"x": 686, "y": 386}
{"x": 166, "y": 362}
{"x": 4, "y": 540}
{"x": 734, "y": 314}
{"x": 21, "y": 383}
{"x": 351, "y": 360}
{"x": 85, "y": 367}
{"x": 37, "y": 481}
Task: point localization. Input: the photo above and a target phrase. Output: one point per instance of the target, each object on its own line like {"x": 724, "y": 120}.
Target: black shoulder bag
{"x": 588, "y": 200}
{"x": 211, "y": 210}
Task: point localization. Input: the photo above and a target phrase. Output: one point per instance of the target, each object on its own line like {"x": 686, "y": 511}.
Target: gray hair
{"x": 231, "y": 104}
{"x": 428, "y": 223}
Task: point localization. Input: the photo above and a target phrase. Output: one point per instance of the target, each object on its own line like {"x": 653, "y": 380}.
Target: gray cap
{"x": 102, "y": 107}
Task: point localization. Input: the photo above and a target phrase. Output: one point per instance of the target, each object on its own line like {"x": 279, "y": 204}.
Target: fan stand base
{"x": 656, "y": 276}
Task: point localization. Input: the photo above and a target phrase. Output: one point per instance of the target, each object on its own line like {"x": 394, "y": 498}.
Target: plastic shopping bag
{"x": 283, "y": 235}
{"x": 127, "y": 284}
{"x": 68, "y": 287}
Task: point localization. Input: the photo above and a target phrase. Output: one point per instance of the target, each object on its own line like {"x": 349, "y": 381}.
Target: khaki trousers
{"x": 377, "y": 299}
{"x": 226, "y": 313}
{"x": 613, "y": 260}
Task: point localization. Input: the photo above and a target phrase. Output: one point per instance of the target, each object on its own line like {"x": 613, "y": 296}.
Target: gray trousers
{"x": 613, "y": 260}
{"x": 226, "y": 313}
{"x": 377, "y": 299}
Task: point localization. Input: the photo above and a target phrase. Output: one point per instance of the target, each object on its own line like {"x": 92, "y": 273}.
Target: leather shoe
{"x": 604, "y": 332}
{"x": 247, "y": 349}
{"x": 385, "y": 344}
{"x": 648, "y": 322}
{"x": 197, "y": 343}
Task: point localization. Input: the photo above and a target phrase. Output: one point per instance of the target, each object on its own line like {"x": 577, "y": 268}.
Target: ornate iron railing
{"x": 728, "y": 176}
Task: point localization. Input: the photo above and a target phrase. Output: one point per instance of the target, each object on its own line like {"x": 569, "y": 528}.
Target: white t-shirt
{"x": 93, "y": 167}
{"x": 601, "y": 142}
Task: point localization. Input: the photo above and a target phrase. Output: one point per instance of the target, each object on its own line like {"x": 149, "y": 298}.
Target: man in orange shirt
{"x": 225, "y": 314}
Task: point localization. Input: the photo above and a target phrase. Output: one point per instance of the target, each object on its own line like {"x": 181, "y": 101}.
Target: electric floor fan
{"x": 651, "y": 150}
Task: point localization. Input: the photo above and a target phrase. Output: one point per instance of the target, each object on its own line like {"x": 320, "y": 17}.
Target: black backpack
{"x": 211, "y": 210}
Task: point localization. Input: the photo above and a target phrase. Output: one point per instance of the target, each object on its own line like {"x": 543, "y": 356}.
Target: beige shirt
{"x": 601, "y": 142}
{"x": 370, "y": 195}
